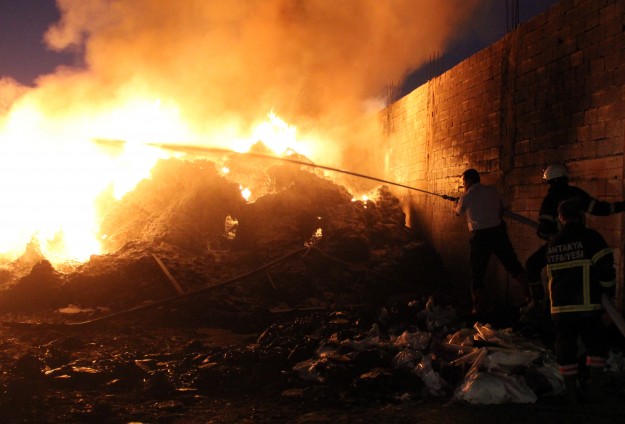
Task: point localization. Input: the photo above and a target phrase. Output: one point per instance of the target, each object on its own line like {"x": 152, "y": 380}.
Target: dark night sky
{"x": 494, "y": 19}
{"x": 23, "y": 55}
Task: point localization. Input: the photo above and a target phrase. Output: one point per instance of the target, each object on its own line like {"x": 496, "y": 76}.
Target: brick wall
{"x": 552, "y": 90}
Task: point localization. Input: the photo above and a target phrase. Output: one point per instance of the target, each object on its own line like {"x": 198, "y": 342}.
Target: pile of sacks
{"x": 504, "y": 368}
{"x": 431, "y": 353}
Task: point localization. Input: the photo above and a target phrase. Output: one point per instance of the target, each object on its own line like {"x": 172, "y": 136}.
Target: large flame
{"x": 58, "y": 175}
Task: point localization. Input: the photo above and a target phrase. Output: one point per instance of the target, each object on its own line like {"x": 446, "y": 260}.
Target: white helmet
{"x": 557, "y": 170}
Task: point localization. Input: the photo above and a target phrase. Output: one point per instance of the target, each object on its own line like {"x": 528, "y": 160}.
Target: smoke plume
{"x": 226, "y": 64}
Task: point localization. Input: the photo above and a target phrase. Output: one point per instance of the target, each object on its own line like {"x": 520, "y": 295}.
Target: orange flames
{"x": 57, "y": 177}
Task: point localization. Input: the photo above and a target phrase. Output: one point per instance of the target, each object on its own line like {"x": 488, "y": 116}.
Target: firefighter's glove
{"x": 453, "y": 199}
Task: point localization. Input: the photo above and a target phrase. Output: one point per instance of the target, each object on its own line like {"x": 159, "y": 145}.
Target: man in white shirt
{"x": 483, "y": 207}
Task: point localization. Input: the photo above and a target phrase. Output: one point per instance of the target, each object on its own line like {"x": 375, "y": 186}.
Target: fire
{"x": 279, "y": 136}
{"x": 363, "y": 198}
{"x": 59, "y": 174}
{"x": 53, "y": 178}
{"x": 245, "y": 192}
{"x": 276, "y": 134}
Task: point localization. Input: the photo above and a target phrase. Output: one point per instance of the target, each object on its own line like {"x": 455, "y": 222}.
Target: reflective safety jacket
{"x": 549, "y": 224}
{"x": 580, "y": 267}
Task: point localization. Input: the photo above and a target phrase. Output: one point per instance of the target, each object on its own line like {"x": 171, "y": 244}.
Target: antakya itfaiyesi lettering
{"x": 566, "y": 252}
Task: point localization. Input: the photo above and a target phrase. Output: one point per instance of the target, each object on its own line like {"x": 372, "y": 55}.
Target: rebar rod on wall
{"x": 435, "y": 65}
{"x": 512, "y": 14}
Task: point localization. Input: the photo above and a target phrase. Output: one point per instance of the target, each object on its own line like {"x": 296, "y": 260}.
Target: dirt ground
{"x": 136, "y": 371}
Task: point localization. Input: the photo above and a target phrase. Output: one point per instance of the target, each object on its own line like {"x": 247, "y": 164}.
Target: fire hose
{"x": 217, "y": 150}
{"x": 200, "y": 149}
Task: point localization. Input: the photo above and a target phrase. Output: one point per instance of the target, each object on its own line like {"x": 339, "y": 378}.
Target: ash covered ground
{"x": 302, "y": 306}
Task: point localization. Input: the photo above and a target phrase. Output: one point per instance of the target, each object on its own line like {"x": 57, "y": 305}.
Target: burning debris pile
{"x": 188, "y": 233}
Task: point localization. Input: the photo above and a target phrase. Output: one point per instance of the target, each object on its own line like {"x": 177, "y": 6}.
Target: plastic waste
{"x": 307, "y": 371}
{"x": 418, "y": 340}
{"x": 551, "y": 372}
{"x": 494, "y": 388}
{"x": 615, "y": 362}
{"x": 407, "y": 358}
{"x": 438, "y": 318}
{"x": 499, "y": 366}
{"x": 510, "y": 359}
{"x": 462, "y": 337}
{"x": 432, "y": 380}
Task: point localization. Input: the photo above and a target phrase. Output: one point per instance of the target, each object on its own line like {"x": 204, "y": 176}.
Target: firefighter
{"x": 557, "y": 177}
{"x": 580, "y": 267}
{"x": 483, "y": 207}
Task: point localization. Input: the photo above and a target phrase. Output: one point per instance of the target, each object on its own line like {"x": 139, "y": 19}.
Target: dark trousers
{"x": 487, "y": 242}
{"x": 586, "y": 325}
{"x": 534, "y": 267}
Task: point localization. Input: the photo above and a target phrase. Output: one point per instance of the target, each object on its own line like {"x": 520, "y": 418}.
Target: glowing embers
{"x": 245, "y": 192}
{"x": 364, "y": 199}
{"x": 231, "y": 225}
{"x": 316, "y": 236}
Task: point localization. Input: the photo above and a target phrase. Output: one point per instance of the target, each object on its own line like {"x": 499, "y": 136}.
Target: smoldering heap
{"x": 187, "y": 235}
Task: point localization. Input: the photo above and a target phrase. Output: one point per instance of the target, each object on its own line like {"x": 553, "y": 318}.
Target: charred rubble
{"x": 344, "y": 361}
